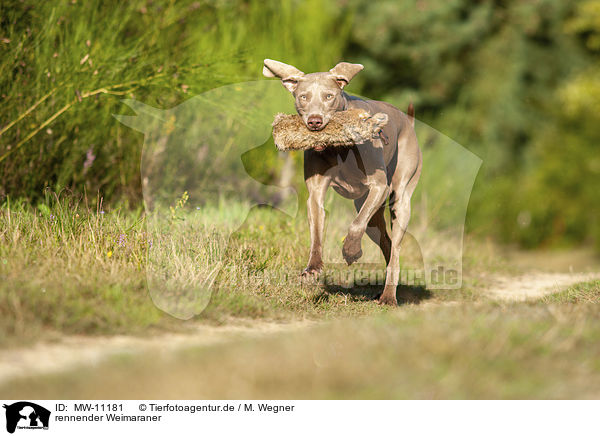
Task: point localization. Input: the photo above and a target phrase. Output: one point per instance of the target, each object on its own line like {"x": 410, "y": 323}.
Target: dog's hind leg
{"x": 400, "y": 214}
{"x": 399, "y": 203}
{"x": 377, "y": 230}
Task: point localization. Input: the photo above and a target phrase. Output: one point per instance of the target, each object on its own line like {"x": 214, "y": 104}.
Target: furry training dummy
{"x": 345, "y": 129}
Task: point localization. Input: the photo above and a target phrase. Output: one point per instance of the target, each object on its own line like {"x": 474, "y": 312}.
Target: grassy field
{"x": 69, "y": 267}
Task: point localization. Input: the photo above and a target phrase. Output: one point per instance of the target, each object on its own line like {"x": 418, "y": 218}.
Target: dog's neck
{"x": 344, "y": 105}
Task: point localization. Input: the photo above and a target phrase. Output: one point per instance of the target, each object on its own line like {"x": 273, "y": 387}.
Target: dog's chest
{"x": 349, "y": 181}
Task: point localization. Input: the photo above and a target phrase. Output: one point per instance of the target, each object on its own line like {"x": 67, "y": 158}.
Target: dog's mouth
{"x": 315, "y": 129}
{"x": 319, "y": 148}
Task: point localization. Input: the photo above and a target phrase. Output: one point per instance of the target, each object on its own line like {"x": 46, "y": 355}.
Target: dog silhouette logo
{"x": 26, "y": 415}
{"x": 205, "y": 147}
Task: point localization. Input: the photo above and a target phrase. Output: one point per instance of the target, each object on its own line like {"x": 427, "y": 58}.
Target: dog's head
{"x": 317, "y": 95}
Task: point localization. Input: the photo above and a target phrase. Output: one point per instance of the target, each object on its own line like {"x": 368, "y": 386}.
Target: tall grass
{"x": 70, "y": 266}
{"x": 65, "y": 66}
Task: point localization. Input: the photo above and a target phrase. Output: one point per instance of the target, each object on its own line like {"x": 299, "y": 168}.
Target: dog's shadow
{"x": 406, "y": 294}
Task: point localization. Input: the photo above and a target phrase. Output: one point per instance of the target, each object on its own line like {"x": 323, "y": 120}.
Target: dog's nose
{"x": 315, "y": 122}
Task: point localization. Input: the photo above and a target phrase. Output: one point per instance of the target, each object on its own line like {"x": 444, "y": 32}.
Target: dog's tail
{"x": 411, "y": 113}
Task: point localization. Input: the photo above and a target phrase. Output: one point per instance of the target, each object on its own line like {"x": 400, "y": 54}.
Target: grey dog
{"x": 385, "y": 168}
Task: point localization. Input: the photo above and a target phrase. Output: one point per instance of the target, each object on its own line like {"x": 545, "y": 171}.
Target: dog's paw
{"x": 352, "y": 250}
{"x": 311, "y": 272}
{"x": 388, "y": 299}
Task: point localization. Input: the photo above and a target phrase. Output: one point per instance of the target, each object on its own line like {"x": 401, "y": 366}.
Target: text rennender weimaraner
{"x": 388, "y": 167}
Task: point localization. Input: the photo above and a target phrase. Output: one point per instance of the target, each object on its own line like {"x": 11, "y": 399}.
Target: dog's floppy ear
{"x": 344, "y": 72}
{"x": 288, "y": 74}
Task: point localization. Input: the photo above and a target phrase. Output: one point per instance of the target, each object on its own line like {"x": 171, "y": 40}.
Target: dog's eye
{"x": 329, "y": 96}
{"x": 303, "y": 97}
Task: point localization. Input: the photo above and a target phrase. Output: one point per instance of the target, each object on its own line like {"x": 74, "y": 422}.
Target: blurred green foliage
{"x": 564, "y": 178}
{"x": 498, "y": 77}
{"x": 515, "y": 81}
{"x": 88, "y": 55}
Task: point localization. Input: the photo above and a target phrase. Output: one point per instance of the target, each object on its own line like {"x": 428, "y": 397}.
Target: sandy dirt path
{"x": 533, "y": 286}
{"x": 75, "y": 351}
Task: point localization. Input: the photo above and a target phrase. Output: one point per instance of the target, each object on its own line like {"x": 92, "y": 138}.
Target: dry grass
{"x": 68, "y": 268}
{"x": 582, "y": 293}
{"x": 72, "y": 267}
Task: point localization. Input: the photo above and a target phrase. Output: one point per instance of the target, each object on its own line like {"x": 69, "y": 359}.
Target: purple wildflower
{"x": 122, "y": 240}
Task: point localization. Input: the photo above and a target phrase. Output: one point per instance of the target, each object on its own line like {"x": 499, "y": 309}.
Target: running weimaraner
{"x": 368, "y": 173}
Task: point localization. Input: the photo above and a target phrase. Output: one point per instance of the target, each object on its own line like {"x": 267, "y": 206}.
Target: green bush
{"x": 66, "y": 65}
{"x": 515, "y": 82}
{"x": 498, "y": 77}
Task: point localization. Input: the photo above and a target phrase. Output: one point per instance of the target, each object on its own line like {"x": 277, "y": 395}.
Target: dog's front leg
{"x": 378, "y": 192}
{"x": 317, "y": 185}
